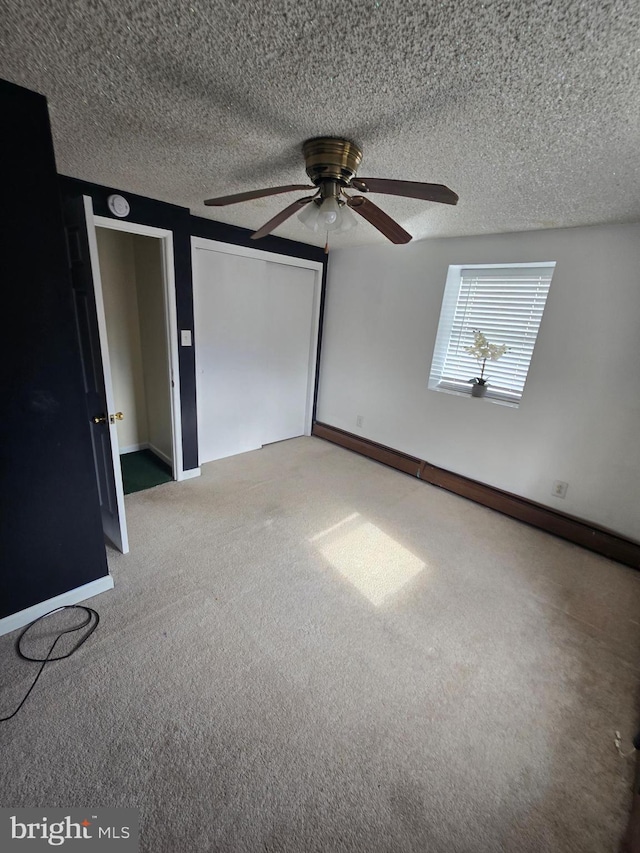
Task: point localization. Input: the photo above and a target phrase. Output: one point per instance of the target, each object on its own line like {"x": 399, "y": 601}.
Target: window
{"x": 506, "y": 304}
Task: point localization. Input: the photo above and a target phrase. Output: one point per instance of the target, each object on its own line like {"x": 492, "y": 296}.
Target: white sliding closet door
{"x": 287, "y": 347}
{"x": 255, "y": 348}
{"x": 228, "y": 298}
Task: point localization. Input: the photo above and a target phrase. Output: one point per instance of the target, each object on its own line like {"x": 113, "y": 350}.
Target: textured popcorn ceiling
{"x": 530, "y": 111}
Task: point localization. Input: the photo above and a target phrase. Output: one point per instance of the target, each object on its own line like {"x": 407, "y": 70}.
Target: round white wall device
{"x": 118, "y": 205}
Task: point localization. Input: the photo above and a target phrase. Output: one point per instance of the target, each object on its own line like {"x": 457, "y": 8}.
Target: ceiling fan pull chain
{"x": 326, "y": 245}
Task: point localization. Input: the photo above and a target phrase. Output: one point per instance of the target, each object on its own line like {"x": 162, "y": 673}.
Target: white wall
{"x": 118, "y": 274}
{"x": 155, "y": 353}
{"x": 579, "y": 419}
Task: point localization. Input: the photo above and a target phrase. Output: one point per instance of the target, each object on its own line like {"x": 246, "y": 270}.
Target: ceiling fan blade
{"x": 409, "y": 189}
{"x": 279, "y": 218}
{"x": 234, "y": 199}
{"x": 379, "y": 219}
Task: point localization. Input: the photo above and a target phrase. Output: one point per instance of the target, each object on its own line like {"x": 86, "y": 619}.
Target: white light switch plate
{"x": 185, "y": 337}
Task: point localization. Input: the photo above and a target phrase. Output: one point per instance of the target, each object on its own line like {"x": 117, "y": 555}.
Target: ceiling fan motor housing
{"x": 331, "y": 159}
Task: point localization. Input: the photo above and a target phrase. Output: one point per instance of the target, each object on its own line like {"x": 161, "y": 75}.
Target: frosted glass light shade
{"x": 310, "y": 216}
{"x": 329, "y": 216}
{"x": 347, "y": 221}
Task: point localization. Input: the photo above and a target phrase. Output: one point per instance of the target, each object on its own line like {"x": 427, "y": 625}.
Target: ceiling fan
{"x": 331, "y": 164}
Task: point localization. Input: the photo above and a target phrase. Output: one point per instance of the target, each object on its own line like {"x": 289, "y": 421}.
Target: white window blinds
{"x": 506, "y": 304}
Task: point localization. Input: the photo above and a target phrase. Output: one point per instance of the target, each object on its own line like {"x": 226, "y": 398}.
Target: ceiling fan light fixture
{"x": 330, "y": 215}
{"x": 310, "y": 216}
{"x": 347, "y": 221}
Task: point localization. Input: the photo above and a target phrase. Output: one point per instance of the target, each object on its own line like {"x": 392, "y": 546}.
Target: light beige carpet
{"x": 306, "y": 651}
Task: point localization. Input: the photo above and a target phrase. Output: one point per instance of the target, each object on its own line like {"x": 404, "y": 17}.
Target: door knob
{"x": 102, "y": 419}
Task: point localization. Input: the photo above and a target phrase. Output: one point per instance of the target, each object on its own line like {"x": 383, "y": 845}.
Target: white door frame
{"x": 171, "y": 323}
{"x": 117, "y": 535}
{"x": 200, "y": 243}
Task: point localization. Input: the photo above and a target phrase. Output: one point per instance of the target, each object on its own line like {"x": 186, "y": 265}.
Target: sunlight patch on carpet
{"x": 333, "y": 527}
{"x": 370, "y": 560}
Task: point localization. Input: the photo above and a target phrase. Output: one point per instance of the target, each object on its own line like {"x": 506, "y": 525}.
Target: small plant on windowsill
{"x": 483, "y": 351}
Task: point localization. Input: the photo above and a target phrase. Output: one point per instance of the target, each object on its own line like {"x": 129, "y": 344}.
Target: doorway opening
{"x": 134, "y": 296}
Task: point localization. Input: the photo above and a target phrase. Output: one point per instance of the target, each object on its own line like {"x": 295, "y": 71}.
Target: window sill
{"x": 510, "y": 404}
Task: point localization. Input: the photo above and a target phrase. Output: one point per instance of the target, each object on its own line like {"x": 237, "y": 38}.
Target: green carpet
{"x": 143, "y": 470}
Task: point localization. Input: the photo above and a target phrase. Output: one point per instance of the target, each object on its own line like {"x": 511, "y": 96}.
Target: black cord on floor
{"x": 90, "y": 622}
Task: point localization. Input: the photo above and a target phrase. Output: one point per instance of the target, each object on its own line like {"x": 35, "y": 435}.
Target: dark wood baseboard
{"x": 583, "y": 533}
{"x": 631, "y": 839}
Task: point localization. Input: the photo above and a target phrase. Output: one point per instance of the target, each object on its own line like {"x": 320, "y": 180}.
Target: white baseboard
{"x": 132, "y": 448}
{"x": 74, "y": 596}
{"x": 189, "y": 474}
{"x": 160, "y": 454}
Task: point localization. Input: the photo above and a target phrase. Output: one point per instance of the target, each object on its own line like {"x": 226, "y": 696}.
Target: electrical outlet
{"x": 559, "y": 489}
{"x": 359, "y": 421}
